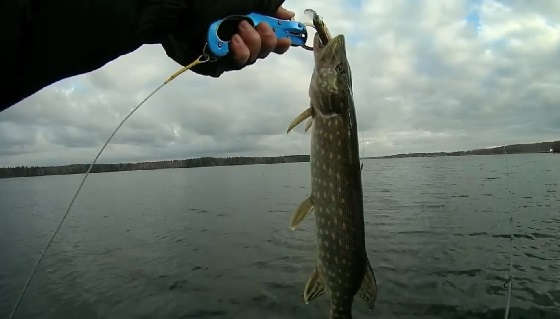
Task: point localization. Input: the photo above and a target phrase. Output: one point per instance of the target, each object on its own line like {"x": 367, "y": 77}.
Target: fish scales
{"x": 343, "y": 268}
{"x": 340, "y": 231}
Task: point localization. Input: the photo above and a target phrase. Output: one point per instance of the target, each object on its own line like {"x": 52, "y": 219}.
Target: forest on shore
{"x": 26, "y": 171}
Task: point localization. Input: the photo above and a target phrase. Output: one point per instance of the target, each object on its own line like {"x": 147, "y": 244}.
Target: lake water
{"x": 215, "y": 242}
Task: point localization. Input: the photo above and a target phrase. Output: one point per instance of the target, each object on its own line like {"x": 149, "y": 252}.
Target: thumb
{"x": 268, "y": 7}
{"x": 229, "y": 7}
{"x": 204, "y": 12}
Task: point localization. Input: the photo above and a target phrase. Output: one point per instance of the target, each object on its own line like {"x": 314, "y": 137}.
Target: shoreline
{"x": 23, "y": 171}
{"x": 533, "y": 148}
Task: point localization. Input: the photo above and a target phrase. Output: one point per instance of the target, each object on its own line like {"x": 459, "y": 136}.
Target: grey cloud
{"x": 424, "y": 80}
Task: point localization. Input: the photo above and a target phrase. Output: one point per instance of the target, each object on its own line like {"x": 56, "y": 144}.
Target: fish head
{"x": 331, "y": 85}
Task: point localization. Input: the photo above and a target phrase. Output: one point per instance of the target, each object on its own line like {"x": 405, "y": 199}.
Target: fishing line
{"x": 201, "y": 59}
{"x": 509, "y": 279}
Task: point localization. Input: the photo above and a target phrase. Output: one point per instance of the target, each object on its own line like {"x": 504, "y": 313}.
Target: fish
{"x": 343, "y": 269}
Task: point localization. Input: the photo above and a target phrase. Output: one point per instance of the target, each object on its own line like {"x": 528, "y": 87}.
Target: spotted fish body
{"x": 343, "y": 268}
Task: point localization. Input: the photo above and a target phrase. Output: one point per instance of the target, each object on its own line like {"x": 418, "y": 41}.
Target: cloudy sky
{"x": 428, "y": 76}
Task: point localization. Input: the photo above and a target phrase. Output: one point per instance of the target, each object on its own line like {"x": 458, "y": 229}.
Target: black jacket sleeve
{"x": 44, "y": 41}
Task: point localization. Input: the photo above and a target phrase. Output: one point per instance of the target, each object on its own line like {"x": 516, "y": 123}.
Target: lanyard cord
{"x": 201, "y": 59}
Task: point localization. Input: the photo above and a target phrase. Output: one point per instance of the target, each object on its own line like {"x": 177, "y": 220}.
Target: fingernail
{"x": 244, "y": 25}
{"x": 236, "y": 39}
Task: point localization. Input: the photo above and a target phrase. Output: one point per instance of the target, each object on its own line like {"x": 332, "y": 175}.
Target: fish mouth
{"x": 335, "y": 44}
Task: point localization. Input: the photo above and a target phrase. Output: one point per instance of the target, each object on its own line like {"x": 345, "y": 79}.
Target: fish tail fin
{"x": 368, "y": 289}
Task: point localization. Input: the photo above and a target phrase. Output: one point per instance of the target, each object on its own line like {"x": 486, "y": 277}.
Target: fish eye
{"x": 340, "y": 68}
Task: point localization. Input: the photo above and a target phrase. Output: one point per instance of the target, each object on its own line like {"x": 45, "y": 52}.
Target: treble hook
{"x": 307, "y": 24}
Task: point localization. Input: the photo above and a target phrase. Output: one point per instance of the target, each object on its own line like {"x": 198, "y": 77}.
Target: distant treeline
{"x": 543, "y": 147}
{"x": 24, "y": 171}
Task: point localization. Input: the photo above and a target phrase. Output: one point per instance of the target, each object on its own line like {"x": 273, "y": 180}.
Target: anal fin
{"x": 314, "y": 287}
{"x": 368, "y": 289}
{"x": 300, "y": 118}
{"x": 299, "y": 214}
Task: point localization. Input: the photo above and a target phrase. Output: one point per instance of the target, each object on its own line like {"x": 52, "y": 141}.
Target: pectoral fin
{"x": 314, "y": 287}
{"x": 299, "y": 214}
{"x": 368, "y": 290}
{"x": 300, "y": 118}
{"x": 308, "y": 124}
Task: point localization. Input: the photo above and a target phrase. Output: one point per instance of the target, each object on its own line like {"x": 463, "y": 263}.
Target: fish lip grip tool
{"x": 221, "y": 31}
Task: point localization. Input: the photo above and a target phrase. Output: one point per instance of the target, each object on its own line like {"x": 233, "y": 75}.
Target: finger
{"x": 268, "y": 39}
{"x": 283, "y": 44}
{"x": 251, "y": 38}
{"x": 285, "y": 14}
{"x": 240, "y": 51}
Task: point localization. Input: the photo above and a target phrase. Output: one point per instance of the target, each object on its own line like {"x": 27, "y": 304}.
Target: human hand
{"x": 250, "y": 44}
{"x": 247, "y": 45}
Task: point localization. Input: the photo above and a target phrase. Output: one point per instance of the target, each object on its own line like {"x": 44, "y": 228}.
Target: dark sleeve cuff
{"x": 159, "y": 18}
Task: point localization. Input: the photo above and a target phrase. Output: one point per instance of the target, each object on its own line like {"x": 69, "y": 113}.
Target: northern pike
{"x": 343, "y": 269}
